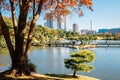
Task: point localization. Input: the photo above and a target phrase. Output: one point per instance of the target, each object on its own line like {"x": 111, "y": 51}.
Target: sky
{"x": 106, "y": 14}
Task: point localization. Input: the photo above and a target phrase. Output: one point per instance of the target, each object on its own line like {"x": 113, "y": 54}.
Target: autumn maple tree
{"x": 20, "y": 11}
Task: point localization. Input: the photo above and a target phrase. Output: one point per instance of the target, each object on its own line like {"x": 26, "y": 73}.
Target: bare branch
{"x": 32, "y": 26}
{"x": 33, "y": 8}
{"x": 57, "y": 5}
{"x": 20, "y": 3}
{"x": 14, "y": 19}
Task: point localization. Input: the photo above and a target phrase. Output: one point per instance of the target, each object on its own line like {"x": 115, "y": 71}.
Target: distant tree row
{"x": 42, "y": 35}
{"x": 109, "y": 36}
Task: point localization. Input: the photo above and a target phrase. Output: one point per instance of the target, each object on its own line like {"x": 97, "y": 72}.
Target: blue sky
{"x": 106, "y": 14}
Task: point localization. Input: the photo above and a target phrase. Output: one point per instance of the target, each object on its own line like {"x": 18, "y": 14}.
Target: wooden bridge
{"x": 61, "y": 44}
{"x": 75, "y": 43}
{"x": 108, "y": 43}
{"x": 98, "y": 44}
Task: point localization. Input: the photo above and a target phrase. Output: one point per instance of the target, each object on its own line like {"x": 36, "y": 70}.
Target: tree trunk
{"x": 32, "y": 26}
{"x": 74, "y": 73}
{"x": 20, "y": 64}
{"x": 21, "y": 61}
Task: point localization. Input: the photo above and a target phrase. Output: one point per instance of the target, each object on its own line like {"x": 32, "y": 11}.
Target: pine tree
{"x": 79, "y": 60}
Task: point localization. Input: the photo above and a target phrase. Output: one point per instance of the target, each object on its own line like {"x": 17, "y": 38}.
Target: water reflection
{"x": 51, "y": 60}
{"x": 5, "y": 60}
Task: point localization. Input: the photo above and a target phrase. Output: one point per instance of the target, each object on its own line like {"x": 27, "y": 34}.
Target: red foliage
{"x": 54, "y": 8}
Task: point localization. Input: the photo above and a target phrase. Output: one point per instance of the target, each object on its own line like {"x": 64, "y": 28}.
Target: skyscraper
{"x": 56, "y": 24}
{"x": 65, "y": 23}
{"x": 75, "y": 28}
{"x": 51, "y": 24}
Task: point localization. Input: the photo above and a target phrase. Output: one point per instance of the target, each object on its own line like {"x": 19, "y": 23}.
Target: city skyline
{"x": 105, "y": 15}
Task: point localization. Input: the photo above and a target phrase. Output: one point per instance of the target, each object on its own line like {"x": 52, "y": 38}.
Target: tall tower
{"x": 56, "y": 24}
{"x": 91, "y": 28}
{"x": 75, "y": 28}
{"x": 91, "y": 22}
{"x": 65, "y": 23}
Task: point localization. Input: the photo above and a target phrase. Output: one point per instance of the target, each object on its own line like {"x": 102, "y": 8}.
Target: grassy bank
{"x": 47, "y": 77}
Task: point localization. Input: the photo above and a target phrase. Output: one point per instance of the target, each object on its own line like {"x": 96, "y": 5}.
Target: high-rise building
{"x": 65, "y": 23}
{"x": 60, "y": 23}
{"x": 56, "y": 24}
{"x": 75, "y": 28}
{"x": 51, "y": 24}
{"x": 112, "y": 30}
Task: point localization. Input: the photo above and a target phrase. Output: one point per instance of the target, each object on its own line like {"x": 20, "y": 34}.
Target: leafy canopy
{"x": 51, "y": 8}
{"x": 79, "y": 61}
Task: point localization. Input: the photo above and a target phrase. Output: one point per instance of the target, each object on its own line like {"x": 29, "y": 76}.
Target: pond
{"x": 51, "y": 60}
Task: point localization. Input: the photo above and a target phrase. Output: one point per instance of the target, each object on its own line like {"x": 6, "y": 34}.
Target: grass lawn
{"x": 47, "y": 77}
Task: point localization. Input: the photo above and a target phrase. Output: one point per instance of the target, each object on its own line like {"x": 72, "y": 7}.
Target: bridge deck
{"x": 108, "y": 43}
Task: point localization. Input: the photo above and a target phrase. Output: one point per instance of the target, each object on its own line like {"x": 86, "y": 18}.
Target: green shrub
{"x": 32, "y": 67}
{"x": 79, "y": 60}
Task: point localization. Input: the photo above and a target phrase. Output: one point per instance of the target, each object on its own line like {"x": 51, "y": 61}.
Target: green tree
{"x": 2, "y": 41}
{"x": 107, "y": 36}
{"x": 61, "y": 33}
{"x": 117, "y": 36}
{"x": 72, "y": 35}
{"x": 20, "y": 13}
{"x": 8, "y": 21}
{"x": 79, "y": 60}
{"x": 84, "y": 39}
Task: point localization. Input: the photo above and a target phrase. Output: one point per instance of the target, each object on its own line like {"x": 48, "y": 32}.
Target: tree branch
{"x": 5, "y": 32}
{"x": 20, "y": 3}
{"x": 32, "y": 26}
{"x": 57, "y": 5}
{"x": 24, "y": 7}
{"x": 14, "y": 19}
{"x": 33, "y": 8}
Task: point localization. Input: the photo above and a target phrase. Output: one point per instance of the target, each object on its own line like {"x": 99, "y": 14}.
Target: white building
{"x": 86, "y": 31}
{"x": 56, "y": 24}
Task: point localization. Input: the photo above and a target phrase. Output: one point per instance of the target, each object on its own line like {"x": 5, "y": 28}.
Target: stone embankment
{"x": 83, "y": 46}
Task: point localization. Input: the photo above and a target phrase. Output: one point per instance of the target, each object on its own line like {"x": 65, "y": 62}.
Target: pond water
{"x": 51, "y": 60}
